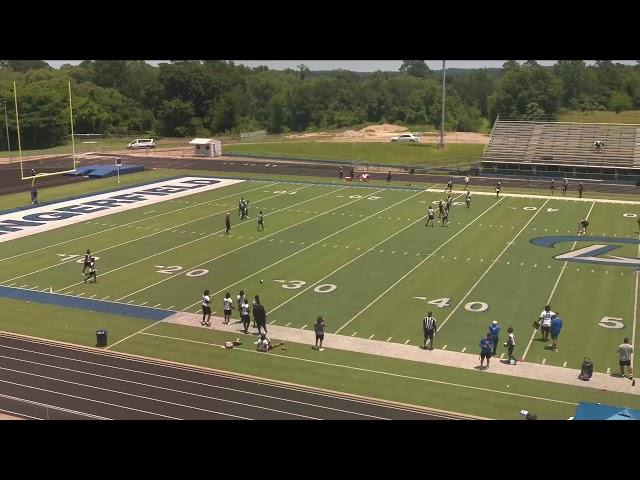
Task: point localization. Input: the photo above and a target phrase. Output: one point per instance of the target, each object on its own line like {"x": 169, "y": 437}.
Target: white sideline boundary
{"x": 547, "y": 197}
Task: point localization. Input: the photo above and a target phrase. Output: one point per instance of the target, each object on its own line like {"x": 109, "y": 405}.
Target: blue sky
{"x": 355, "y": 65}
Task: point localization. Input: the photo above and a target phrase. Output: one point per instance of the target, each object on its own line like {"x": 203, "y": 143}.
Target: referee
{"x": 429, "y": 326}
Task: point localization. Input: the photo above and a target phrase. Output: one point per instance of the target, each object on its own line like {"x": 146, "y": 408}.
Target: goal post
{"x": 33, "y": 178}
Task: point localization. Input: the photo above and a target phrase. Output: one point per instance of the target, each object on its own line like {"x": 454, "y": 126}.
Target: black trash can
{"x": 101, "y": 338}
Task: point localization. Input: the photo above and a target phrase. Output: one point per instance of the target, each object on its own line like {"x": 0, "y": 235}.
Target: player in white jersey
{"x": 430, "y": 215}
{"x": 468, "y": 199}
{"x": 244, "y": 315}
{"x": 466, "y": 181}
{"x": 227, "y": 305}
{"x": 545, "y": 322}
{"x": 445, "y": 217}
{"x": 206, "y": 309}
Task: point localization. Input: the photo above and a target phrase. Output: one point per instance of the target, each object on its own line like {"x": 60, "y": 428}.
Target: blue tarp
{"x": 597, "y": 411}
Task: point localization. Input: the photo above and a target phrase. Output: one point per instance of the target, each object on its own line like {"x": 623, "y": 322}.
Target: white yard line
{"x": 553, "y": 291}
{"x": 71, "y": 260}
{"x": 136, "y": 221}
{"x": 416, "y": 267}
{"x": 309, "y": 246}
{"x": 184, "y": 245}
{"x": 353, "y": 259}
{"x": 491, "y": 265}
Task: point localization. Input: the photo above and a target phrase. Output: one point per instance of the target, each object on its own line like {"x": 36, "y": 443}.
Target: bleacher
{"x": 564, "y": 144}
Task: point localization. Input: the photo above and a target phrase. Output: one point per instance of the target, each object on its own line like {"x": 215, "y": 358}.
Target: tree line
{"x": 203, "y": 98}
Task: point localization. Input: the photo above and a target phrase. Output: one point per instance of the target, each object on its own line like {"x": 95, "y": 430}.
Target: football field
{"x": 362, "y": 257}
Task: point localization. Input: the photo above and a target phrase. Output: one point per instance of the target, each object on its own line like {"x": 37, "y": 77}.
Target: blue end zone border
{"x": 102, "y": 306}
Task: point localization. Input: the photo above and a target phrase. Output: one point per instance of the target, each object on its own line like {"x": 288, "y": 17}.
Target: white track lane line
{"x": 71, "y": 260}
{"x": 366, "y": 370}
{"x": 259, "y": 407}
{"x": 553, "y": 291}
{"x": 88, "y": 399}
{"x": 350, "y": 261}
{"x": 185, "y": 244}
{"x": 491, "y": 266}
{"x": 195, "y": 369}
{"x": 52, "y": 407}
{"x": 256, "y": 241}
{"x": 416, "y": 267}
{"x": 95, "y": 387}
{"x": 136, "y": 221}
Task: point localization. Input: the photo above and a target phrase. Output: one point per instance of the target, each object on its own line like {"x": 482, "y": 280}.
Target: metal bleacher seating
{"x": 559, "y": 143}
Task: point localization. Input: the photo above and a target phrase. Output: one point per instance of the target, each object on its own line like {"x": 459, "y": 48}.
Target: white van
{"x": 142, "y": 143}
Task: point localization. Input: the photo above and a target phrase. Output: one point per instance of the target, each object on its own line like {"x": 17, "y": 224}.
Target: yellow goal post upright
{"x": 33, "y": 178}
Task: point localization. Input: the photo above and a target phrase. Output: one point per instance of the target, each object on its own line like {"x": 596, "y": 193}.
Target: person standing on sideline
{"x": 553, "y": 186}
{"x": 429, "y": 327}
{"x": 206, "y": 309}
{"x": 545, "y": 322}
{"x": 227, "y": 223}
{"x": 340, "y": 174}
{"x": 389, "y": 177}
{"x": 259, "y": 315}
{"x": 498, "y": 188}
{"x": 556, "y": 326}
{"x": 260, "y": 221}
{"x": 494, "y": 330}
{"x": 227, "y": 305}
{"x": 430, "y": 215}
{"x": 466, "y": 182}
{"x": 87, "y": 261}
{"x": 565, "y": 185}
{"x": 580, "y": 189}
{"x": 34, "y": 193}
{"x": 626, "y": 354}
{"x": 468, "y": 199}
{"x": 486, "y": 347}
{"x": 511, "y": 344}
{"x": 353, "y": 174}
{"x": 244, "y": 315}
{"x": 319, "y": 329}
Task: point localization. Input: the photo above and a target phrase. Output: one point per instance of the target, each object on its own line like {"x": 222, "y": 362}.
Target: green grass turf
{"x": 313, "y": 236}
{"x": 387, "y": 153}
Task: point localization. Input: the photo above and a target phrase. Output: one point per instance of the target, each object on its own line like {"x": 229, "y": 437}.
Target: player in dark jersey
{"x": 206, "y": 309}
{"x": 246, "y": 209}
{"x": 638, "y": 224}
{"x": 260, "y": 221}
{"x": 240, "y": 204}
{"x": 227, "y": 222}
{"x": 389, "y": 177}
{"x": 87, "y": 261}
{"x": 552, "y": 186}
{"x": 352, "y": 174}
{"x": 440, "y": 208}
{"x": 92, "y": 271}
{"x": 430, "y": 215}
{"x": 449, "y": 186}
{"x": 449, "y": 202}
{"x": 565, "y": 185}
{"x": 468, "y": 199}
{"x": 582, "y": 228}
{"x": 240, "y": 298}
{"x": 340, "y": 174}
{"x": 445, "y": 217}
{"x": 580, "y": 189}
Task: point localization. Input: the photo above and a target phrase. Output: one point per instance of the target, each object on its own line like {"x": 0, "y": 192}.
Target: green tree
{"x": 415, "y": 68}
{"x": 620, "y": 102}
{"x": 175, "y": 118}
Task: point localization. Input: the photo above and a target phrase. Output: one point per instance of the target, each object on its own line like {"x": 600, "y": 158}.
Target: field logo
{"x": 594, "y": 253}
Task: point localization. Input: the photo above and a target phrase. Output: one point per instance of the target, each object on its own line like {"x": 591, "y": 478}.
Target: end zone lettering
{"x": 42, "y": 218}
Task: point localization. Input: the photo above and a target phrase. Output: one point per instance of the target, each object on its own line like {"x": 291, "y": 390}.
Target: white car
{"x": 406, "y": 137}
{"x": 142, "y": 143}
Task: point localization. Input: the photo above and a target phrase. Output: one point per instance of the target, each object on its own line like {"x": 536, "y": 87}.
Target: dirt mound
{"x": 349, "y": 133}
{"x": 384, "y": 128}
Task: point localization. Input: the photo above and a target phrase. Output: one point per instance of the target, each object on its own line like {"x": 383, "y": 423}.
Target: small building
{"x": 207, "y": 147}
